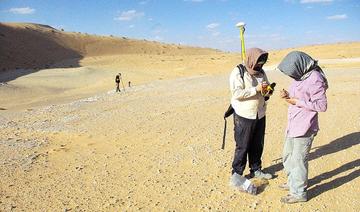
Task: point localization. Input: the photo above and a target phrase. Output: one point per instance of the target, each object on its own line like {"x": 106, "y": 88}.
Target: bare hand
{"x": 292, "y": 101}
{"x": 284, "y": 94}
{"x": 261, "y": 86}
{"x": 258, "y": 87}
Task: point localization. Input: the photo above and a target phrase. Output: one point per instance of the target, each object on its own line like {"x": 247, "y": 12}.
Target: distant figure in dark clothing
{"x": 117, "y": 81}
{"x": 129, "y": 84}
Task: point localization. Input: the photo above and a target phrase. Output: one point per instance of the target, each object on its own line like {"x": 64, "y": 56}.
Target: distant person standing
{"x": 129, "y": 84}
{"x": 306, "y": 97}
{"x": 117, "y": 81}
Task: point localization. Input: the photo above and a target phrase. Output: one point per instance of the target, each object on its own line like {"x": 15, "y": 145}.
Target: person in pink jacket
{"x": 306, "y": 97}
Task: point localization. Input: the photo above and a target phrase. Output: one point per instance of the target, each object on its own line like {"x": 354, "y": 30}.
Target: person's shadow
{"x": 319, "y": 189}
{"x": 337, "y": 145}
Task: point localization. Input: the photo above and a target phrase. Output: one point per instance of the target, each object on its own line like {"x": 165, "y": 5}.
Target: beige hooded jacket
{"x": 245, "y": 100}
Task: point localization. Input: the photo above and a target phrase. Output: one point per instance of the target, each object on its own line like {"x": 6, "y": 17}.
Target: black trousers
{"x": 117, "y": 87}
{"x": 249, "y": 137}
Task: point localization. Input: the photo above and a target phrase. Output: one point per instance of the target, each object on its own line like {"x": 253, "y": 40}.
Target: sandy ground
{"x": 157, "y": 147}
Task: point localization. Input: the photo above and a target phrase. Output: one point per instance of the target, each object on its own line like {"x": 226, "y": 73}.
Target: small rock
{"x": 12, "y": 207}
{"x": 254, "y": 205}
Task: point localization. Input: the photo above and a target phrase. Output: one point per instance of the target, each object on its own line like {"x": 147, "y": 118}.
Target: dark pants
{"x": 117, "y": 87}
{"x": 249, "y": 137}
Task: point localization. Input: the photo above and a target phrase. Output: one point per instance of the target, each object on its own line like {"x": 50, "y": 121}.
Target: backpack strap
{"x": 242, "y": 70}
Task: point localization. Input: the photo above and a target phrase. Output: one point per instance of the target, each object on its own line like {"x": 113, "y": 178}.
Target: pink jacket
{"x": 311, "y": 95}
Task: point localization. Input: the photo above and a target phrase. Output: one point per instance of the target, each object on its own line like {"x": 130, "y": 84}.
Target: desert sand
{"x": 68, "y": 142}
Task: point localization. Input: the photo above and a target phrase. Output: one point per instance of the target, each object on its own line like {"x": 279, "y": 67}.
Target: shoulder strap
{"x": 242, "y": 70}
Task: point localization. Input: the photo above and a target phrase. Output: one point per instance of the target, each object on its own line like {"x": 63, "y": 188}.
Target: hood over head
{"x": 255, "y": 59}
{"x": 299, "y": 65}
{"x": 296, "y": 64}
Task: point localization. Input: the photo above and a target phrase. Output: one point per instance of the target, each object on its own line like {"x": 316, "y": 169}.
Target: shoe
{"x": 261, "y": 175}
{"x": 242, "y": 184}
{"x": 290, "y": 199}
{"x": 284, "y": 186}
{"x": 236, "y": 180}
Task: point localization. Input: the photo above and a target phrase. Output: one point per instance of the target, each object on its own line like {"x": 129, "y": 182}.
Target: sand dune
{"x": 68, "y": 142}
{"x": 36, "y": 46}
{"x": 40, "y": 46}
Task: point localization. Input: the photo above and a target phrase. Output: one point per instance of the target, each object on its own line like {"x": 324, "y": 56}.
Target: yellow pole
{"x": 242, "y": 29}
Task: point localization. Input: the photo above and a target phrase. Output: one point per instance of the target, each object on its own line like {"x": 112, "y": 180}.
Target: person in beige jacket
{"x": 249, "y": 117}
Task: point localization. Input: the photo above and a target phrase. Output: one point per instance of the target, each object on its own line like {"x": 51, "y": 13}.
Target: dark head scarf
{"x": 254, "y": 56}
{"x": 298, "y": 65}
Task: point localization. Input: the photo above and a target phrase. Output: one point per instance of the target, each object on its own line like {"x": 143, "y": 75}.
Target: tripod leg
{"x": 223, "y": 143}
{"x": 122, "y": 82}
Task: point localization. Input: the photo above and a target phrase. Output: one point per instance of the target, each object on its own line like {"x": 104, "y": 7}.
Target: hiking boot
{"x": 242, "y": 184}
{"x": 235, "y": 180}
{"x": 284, "y": 186}
{"x": 261, "y": 175}
{"x": 290, "y": 199}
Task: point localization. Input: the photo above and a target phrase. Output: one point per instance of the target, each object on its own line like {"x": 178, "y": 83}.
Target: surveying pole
{"x": 241, "y": 26}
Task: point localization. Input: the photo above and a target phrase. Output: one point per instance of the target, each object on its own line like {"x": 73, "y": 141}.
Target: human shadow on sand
{"x": 27, "y": 50}
{"x": 319, "y": 189}
{"x": 337, "y": 145}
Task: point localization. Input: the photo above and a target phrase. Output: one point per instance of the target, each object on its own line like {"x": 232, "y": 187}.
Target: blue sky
{"x": 270, "y": 24}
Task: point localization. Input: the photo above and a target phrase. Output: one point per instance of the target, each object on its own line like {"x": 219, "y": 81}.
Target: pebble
{"x": 254, "y": 205}
{"x": 12, "y": 207}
